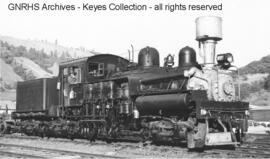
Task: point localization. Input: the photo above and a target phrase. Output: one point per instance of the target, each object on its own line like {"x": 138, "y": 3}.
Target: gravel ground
{"x": 121, "y": 149}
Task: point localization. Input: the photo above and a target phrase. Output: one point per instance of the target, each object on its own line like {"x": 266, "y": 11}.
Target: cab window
{"x": 72, "y": 74}
{"x": 96, "y": 69}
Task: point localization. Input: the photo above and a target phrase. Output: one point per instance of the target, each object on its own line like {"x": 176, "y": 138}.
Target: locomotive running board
{"x": 221, "y": 138}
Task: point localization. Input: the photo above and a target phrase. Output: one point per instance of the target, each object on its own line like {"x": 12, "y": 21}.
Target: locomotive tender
{"x": 110, "y": 98}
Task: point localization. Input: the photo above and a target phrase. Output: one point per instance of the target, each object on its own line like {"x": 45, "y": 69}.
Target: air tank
{"x": 187, "y": 57}
{"x": 148, "y": 57}
{"x": 208, "y": 27}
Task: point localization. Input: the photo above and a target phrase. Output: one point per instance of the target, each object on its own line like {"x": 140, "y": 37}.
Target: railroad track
{"x": 258, "y": 147}
{"x": 242, "y": 152}
{"x": 52, "y": 139}
{"x": 24, "y": 151}
{"x": 254, "y": 151}
{"x": 76, "y": 141}
{"x": 17, "y": 155}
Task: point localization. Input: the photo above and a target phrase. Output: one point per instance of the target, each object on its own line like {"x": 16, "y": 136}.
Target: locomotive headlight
{"x": 220, "y": 58}
{"x": 225, "y": 60}
{"x": 230, "y": 58}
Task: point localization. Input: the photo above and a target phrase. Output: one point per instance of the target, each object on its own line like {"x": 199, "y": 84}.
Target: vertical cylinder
{"x": 209, "y": 52}
{"x": 136, "y": 114}
{"x": 119, "y": 92}
{"x": 90, "y": 91}
{"x": 121, "y": 108}
{"x": 126, "y": 107}
{"x": 125, "y": 90}
{"x": 111, "y": 89}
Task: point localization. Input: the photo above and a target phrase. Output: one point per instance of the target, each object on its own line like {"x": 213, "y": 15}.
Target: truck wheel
{"x": 190, "y": 140}
{"x": 3, "y": 127}
{"x": 196, "y": 141}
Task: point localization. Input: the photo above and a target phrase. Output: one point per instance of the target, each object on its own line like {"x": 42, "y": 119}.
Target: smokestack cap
{"x": 208, "y": 27}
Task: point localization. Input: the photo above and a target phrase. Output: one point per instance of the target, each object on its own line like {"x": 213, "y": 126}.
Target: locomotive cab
{"x": 75, "y": 74}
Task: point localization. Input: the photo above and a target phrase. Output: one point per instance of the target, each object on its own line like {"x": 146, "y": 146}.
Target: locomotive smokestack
{"x": 208, "y": 33}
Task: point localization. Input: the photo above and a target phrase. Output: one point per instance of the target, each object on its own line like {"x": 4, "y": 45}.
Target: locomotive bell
{"x": 148, "y": 57}
{"x": 187, "y": 57}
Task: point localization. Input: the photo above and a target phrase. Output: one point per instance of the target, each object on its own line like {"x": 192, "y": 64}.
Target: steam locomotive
{"x": 107, "y": 97}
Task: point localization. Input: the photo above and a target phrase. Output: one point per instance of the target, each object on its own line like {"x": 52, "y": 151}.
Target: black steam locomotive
{"x": 109, "y": 98}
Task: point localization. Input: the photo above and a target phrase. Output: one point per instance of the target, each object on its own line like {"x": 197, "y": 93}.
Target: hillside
{"x": 28, "y": 64}
{"x": 48, "y": 47}
{"x": 260, "y": 66}
{"x": 19, "y": 63}
{"x": 255, "y": 82}
{"x": 31, "y": 67}
{"x": 8, "y": 77}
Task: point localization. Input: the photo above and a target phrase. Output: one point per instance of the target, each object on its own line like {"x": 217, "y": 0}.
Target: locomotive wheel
{"x": 192, "y": 144}
{"x": 108, "y": 140}
{"x": 42, "y": 131}
{"x": 70, "y": 133}
{"x": 92, "y": 135}
{"x": 190, "y": 140}
{"x": 195, "y": 141}
{"x": 146, "y": 135}
{"x": 239, "y": 135}
{"x": 3, "y": 127}
{"x": 46, "y": 131}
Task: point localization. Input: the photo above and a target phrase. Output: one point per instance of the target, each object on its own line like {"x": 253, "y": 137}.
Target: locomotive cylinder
{"x": 170, "y": 103}
{"x": 124, "y": 107}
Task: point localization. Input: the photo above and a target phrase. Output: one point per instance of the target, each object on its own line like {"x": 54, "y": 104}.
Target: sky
{"x": 246, "y": 27}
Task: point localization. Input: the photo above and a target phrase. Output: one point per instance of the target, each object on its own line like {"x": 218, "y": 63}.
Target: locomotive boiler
{"x": 109, "y": 98}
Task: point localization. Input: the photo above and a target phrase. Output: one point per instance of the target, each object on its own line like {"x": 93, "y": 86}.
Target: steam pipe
{"x": 132, "y": 48}
{"x": 155, "y": 79}
{"x": 129, "y": 55}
